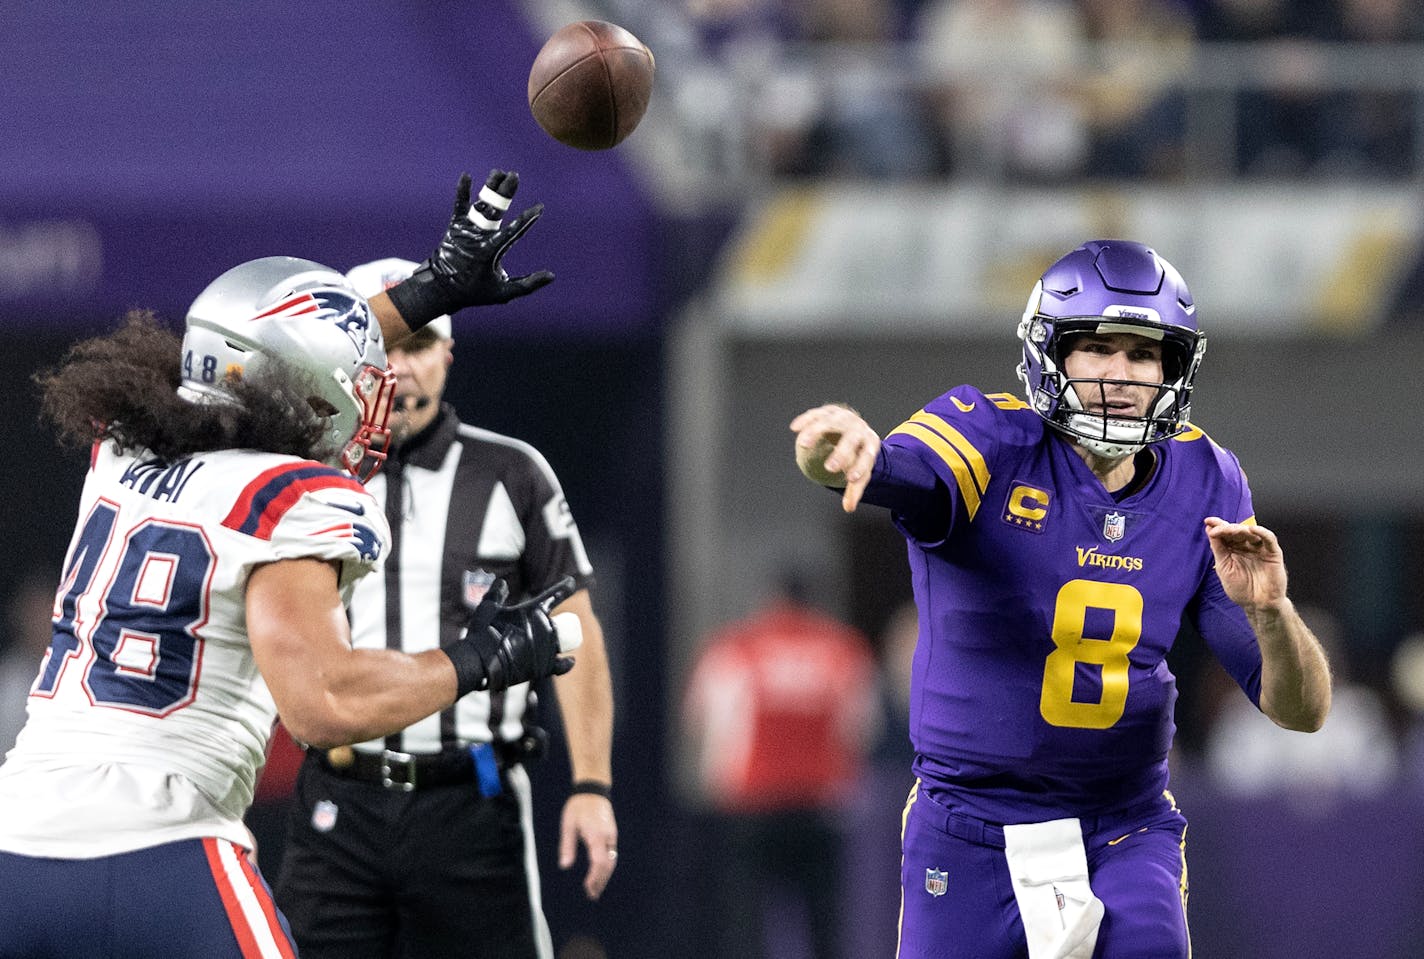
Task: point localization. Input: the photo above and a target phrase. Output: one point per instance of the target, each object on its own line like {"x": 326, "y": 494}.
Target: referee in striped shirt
{"x": 421, "y": 844}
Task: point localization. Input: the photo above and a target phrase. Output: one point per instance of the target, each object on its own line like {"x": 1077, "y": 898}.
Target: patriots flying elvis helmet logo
{"x": 350, "y": 314}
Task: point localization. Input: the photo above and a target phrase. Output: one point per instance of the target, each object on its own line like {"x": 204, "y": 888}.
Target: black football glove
{"x": 506, "y": 645}
{"x": 465, "y": 268}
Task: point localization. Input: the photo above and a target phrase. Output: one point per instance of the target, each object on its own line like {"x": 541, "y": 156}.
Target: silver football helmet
{"x": 305, "y": 317}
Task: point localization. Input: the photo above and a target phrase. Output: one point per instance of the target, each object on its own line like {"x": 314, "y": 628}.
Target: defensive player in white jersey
{"x": 222, "y": 526}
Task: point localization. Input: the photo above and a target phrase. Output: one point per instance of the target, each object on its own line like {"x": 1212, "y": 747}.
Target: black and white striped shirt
{"x": 461, "y": 499}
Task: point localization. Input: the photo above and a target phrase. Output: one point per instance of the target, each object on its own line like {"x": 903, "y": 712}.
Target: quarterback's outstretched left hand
{"x": 1248, "y": 562}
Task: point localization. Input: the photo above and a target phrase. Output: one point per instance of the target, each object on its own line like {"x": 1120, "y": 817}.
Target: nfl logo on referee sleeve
{"x": 936, "y": 882}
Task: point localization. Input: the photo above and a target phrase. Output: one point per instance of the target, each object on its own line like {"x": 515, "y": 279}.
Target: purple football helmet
{"x": 1110, "y": 286}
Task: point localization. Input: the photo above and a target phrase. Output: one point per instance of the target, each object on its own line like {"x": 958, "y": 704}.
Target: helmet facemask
{"x": 1056, "y": 396}
{"x": 365, "y": 453}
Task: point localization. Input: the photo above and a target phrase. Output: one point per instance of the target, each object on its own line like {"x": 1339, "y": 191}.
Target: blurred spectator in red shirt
{"x": 781, "y": 709}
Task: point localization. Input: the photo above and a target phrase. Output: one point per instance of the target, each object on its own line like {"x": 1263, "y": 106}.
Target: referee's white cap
{"x": 378, "y": 275}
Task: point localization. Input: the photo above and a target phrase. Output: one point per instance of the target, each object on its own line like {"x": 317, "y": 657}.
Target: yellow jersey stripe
{"x": 957, "y": 440}
{"x": 967, "y": 490}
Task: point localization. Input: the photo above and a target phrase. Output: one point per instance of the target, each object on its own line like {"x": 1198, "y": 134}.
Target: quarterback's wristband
{"x": 593, "y": 787}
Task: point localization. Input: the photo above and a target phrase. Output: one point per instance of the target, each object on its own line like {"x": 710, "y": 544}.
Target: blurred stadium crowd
{"x": 1050, "y": 90}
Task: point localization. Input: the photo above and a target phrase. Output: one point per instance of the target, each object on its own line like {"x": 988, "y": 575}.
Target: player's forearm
{"x": 900, "y": 479}
{"x": 906, "y": 485}
{"x": 1295, "y": 676}
{"x": 585, "y": 697}
{"x": 375, "y": 693}
{"x": 393, "y": 325}
{"x": 327, "y": 693}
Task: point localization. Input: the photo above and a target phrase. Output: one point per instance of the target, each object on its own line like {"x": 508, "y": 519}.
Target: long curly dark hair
{"x": 123, "y": 387}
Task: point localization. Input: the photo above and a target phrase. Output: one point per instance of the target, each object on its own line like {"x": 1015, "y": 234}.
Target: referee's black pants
{"x": 370, "y": 872}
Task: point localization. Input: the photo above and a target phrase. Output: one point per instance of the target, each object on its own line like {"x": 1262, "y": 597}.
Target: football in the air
{"x": 590, "y": 84}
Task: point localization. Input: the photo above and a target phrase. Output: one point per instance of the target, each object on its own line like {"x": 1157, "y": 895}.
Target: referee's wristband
{"x": 593, "y": 787}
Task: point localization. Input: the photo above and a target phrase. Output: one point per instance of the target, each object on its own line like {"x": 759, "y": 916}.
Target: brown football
{"x": 590, "y": 84}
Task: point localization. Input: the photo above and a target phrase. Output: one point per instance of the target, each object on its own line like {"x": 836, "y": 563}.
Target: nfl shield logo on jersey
{"x": 936, "y": 882}
{"x": 1114, "y": 525}
{"x": 324, "y": 816}
{"x": 477, "y": 583}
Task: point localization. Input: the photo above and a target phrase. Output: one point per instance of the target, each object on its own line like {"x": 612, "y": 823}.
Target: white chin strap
{"x": 1111, "y": 438}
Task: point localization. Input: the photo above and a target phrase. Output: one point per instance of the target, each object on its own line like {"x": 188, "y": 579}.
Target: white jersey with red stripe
{"x": 149, "y": 721}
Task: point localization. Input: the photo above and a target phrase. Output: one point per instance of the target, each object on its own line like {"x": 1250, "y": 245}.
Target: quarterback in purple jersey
{"x": 1057, "y": 541}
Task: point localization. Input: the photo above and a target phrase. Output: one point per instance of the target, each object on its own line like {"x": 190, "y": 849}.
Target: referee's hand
{"x": 588, "y": 819}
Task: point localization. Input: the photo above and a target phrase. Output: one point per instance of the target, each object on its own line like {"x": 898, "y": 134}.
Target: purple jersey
{"x": 1047, "y": 607}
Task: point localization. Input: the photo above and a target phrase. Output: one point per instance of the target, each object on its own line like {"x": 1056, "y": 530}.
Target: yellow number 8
{"x": 1056, "y": 703}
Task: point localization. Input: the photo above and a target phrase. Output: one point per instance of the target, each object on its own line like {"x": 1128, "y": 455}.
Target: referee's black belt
{"x": 401, "y": 771}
